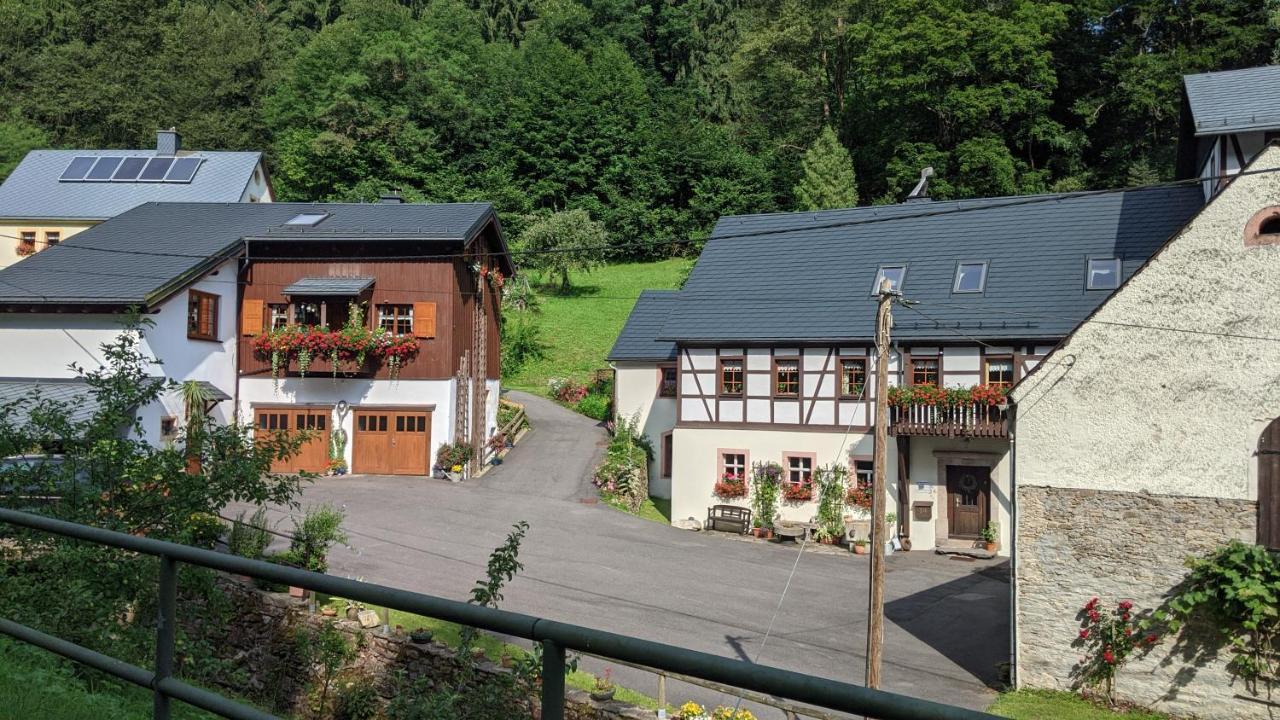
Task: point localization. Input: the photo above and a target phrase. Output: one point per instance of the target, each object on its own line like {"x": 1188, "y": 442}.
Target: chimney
{"x": 391, "y": 198}
{"x": 921, "y": 191}
{"x": 168, "y": 142}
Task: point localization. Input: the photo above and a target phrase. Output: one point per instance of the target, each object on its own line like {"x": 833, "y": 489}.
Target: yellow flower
{"x": 457, "y": 468}
{"x": 691, "y": 709}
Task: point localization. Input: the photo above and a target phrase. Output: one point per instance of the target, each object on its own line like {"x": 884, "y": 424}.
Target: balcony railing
{"x": 965, "y": 420}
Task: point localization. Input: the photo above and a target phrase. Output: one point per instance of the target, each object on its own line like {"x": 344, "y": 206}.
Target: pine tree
{"x": 828, "y": 180}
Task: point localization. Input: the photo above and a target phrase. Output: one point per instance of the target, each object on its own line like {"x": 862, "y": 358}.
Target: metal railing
{"x": 555, "y": 637}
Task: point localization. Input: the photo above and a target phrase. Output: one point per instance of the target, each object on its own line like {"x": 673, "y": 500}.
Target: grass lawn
{"x": 656, "y": 509}
{"x": 580, "y": 327}
{"x": 37, "y": 684}
{"x": 494, "y": 648}
{"x": 1037, "y": 704}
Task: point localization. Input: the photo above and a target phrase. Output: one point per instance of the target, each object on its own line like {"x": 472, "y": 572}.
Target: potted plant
{"x": 830, "y": 480}
{"x": 604, "y": 688}
{"x": 452, "y": 459}
{"x": 731, "y": 485}
{"x": 990, "y": 535}
{"x": 758, "y": 529}
{"x": 421, "y": 636}
{"x": 860, "y": 546}
{"x": 890, "y": 519}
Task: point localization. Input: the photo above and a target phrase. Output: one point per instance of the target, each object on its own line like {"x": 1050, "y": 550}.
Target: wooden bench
{"x": 729, "y": 518}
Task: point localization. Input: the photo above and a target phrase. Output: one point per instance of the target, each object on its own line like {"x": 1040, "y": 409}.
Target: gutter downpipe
{"x": 1013, "y": 545}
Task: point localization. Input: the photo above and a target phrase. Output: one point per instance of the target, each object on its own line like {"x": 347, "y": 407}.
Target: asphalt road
{"x": 948, "y": 621}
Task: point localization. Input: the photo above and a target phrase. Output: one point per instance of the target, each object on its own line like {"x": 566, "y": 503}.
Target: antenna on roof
{"x": 921, "y": 190}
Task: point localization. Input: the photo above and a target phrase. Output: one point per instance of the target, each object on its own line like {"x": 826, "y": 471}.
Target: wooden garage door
{"x": 392, "y": 442}
{"x": 313, "y": 456}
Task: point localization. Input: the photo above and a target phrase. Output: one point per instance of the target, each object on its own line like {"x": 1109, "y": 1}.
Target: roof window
{"x": 307, "y": 219}
{"x": 1103, "y": 274}
{"x": 895, "y": 274}
{"x": 971, "y": 277}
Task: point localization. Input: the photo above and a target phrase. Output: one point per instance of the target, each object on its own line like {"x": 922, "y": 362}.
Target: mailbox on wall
{"x": 922, "y": 510}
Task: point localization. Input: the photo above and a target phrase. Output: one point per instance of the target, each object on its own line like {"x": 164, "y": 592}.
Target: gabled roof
{"x": 1234, "y": 100}
{"x": 808, "y": 277}
{"x": 141, "y": 256}
{"x": 20, "y": 396}
{"x": 34, "y": 191}
{"x": 637, "y": 339}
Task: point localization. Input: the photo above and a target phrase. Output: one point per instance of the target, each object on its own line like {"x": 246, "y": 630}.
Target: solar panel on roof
{"x": 129, "y": 169}
{"x": 78, "y": 167}
{"x": 183, "y": 170}
{"x": 156, "y": 169}
{"x": 104, "y": 168}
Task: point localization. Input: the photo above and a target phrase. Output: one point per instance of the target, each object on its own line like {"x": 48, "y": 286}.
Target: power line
{"x": 977, "y": 204}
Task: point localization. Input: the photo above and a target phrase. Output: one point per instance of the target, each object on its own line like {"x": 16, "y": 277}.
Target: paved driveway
{"x": 595, "y": 566}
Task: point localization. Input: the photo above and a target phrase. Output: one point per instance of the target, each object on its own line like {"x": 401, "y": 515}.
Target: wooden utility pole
{"x": 875, "y": 611}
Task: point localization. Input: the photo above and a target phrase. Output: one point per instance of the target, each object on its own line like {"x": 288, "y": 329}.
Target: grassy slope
{"x": 36, "y": 684}
{"x": 579, "y": 328}
{"x": 1037, "y": 704}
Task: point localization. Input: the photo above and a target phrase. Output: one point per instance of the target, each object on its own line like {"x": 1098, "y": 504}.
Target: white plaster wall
{"x": 636, "y": 389}
{"x": 928, "y": 485}
{"x": 327, "y": 390}
{"x": 1148, "y": 410}
{"x": 45, "y": 345}
{"x": 490, "y": 410}
{"x": 696, "y": 464}
{"x": 257, "y": 189}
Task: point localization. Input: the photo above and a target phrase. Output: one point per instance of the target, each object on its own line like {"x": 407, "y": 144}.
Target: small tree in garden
{"x": 561, "y": 242}
{"x": 1108, "y": 639}
{"x": 830, "y": 480}
{"x": 765, "y": 478}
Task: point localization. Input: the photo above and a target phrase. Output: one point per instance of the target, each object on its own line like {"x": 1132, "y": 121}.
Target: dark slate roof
{"x": 637, "y": 339}
{"x": 214, "y": 393}
{"x": 329, "y": 286}
{"x": 808, "y": 276}
{"x": 138, "y": 257}
{"x": 72, "y": 395}
{"x": 33, "y": 190}
{"x": 1234, "y": 100}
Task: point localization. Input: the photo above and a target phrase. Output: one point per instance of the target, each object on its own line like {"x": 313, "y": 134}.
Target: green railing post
{"x": 166, "y": 633}
{"x": 552, "y": 680}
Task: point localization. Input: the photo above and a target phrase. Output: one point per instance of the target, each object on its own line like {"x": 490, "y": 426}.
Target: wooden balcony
{"x": 968, "y": 420}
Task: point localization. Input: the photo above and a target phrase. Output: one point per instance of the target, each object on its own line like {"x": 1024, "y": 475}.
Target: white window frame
{"x": 982, "y": 277}
{"x": 1088, "y": 272}
{"x": 902, "y": 279}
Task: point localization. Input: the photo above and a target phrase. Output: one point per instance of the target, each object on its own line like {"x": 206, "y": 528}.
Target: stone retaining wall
{"x": 1074, "y": 544}
{"x": 257, "y": 639}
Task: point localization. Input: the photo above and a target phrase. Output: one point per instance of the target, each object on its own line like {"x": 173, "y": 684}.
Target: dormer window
{"x": 306, "y": 219}
{"x": 971, "y": 277}
{"x": 895, "y": 274}
{"x": 1103, "y": 274}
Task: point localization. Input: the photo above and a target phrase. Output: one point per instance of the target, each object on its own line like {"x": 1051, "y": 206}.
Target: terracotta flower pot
{"x": 859, "y": 549}
{"x": 329, "y": 611}
{"x": 297, "y": 592}
{"x": 991, "y": 547}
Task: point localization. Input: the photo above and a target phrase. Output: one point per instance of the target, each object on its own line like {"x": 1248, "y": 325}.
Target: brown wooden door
{"x": 392, "y": 442}
{"x": 313, "y": 455}
{"x": 1269, "y": 486}
{"x": 968, "y": 497}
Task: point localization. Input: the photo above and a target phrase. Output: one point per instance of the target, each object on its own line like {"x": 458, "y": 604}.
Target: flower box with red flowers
{"x": 731, "y": 485}
{"x": 797, "y": 492}
{"x": 352, "y": 350}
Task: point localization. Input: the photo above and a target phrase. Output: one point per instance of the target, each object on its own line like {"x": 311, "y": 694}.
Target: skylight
{"x": 307, "y": 218}
{"x": 971, "y": 277}
{"x": 130, "y": 169}
{"x": 893, "y": 273}
{"x": 1103, "y": 274}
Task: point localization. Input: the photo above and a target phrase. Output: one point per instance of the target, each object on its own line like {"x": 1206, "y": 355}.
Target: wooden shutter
{"x": 424, "y": 319}
{"x": 251, "y": 317}
{"x": 1269, "y": 486}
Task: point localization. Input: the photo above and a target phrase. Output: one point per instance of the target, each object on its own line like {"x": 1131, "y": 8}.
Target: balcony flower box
{"x": 797, "y": 492}
{"x": 354, "y": 349}
{"x": 731, "y": 485}
{"x": 977, "y": 411}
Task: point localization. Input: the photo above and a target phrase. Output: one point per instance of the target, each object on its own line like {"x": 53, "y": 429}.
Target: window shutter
{"x": 251, "y": 317}
{"x": 1269, "y": 487}
{"x": 424, "y": 319}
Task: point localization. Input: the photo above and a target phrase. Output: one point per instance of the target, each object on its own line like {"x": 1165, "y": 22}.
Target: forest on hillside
{"x": 653, "y": 116}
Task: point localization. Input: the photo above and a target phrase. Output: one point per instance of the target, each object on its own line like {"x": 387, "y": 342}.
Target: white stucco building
{"x": 1147, "y": 437}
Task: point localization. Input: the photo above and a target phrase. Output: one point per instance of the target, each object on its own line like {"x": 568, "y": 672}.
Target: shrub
{"x": 830, "y": 480}
{"x": 202, "y": 530}
{"x": 595, "y": 406}
{"x": 453, "y": 455}
{"x": 356, "y": 698}
{"x": 320, "y": 529}
{"x": 1108, "y": 639}
{"x": 521, "y": 342}
{"x": 566, "y": 390}
{"x": 249, "y": 538}
{"x": 625, "y": 469}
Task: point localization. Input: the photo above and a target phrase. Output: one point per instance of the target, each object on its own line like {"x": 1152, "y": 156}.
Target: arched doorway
{"x": 1269, "y": 486}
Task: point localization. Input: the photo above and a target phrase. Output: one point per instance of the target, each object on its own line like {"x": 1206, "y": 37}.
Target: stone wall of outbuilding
{"x": 1075, "y": 544}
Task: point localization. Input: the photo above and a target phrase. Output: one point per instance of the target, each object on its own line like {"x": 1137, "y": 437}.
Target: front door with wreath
{"x": 968, "y": 500}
